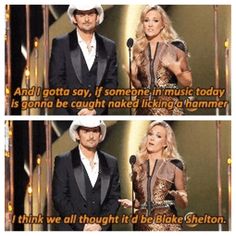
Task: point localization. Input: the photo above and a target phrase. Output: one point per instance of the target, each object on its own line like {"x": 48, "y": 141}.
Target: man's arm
{"x": 111, "y": 203}
{"x": 61, "y": 191}
{"x": 110, "y": 81}
{"x": 57, "y": 68}
{"x": 58, "y": 73}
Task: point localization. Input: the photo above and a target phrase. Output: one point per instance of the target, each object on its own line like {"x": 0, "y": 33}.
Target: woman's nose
{"x": 150, "y": 23}
{"x": 151, "y": 138}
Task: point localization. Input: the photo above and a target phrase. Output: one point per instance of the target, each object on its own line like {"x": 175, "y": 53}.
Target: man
{"x": 86, "y": 180}
{"x": 83, "y": 59}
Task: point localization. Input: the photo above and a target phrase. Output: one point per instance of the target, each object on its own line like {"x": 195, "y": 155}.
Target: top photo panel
{"x": 91, "y": 59}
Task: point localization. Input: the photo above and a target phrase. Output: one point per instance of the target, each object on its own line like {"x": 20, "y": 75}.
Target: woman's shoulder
{"x": 180, "y": 44}
{"x": 178, "y": 163}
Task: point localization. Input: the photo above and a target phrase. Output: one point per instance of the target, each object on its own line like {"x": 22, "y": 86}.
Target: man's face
{"x": 86, "y": 20}
{"x": 89, "y": 137}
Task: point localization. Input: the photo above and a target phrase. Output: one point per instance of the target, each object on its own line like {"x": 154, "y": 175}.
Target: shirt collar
{"x": 80, "y": 40}
{"x": 84, "y": 158}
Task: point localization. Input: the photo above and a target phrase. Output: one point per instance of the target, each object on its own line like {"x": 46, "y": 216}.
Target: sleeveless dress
{"x": 156, "y": 76}
{"x": 161, "y": 182}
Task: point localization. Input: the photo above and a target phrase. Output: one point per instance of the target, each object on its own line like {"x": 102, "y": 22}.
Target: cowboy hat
{"x": 86, "y": 123}
{"x": 85, "y": 7}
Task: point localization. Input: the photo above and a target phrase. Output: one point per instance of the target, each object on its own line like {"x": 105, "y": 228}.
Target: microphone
{"x": 130, "y": 43}
{"x": 132, "y": 160}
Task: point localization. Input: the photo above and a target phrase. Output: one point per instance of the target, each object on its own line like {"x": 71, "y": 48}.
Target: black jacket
{"x": 65, "y": 67}
{"x": 69, "y": 189}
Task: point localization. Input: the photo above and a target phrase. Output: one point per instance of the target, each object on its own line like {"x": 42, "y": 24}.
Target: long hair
{"x": 167, "y": 34}
{"x": 170, "y": 151}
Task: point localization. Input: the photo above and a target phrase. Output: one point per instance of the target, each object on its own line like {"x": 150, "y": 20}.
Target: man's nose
{"x": 87, "y": 17}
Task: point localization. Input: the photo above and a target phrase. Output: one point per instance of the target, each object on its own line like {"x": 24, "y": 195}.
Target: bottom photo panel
{"x": 88, "y": 174}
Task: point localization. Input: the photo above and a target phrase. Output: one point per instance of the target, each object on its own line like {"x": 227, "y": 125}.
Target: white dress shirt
{"x": 92, "y": 168}
{"x": 89, "y": 51}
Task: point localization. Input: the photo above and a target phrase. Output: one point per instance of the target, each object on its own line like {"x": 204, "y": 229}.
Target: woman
{"x": 158, "y": 179}
{"x": 160, "y": 61}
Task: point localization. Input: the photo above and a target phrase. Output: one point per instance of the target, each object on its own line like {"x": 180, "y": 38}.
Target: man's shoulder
{"x": 64, "y": 157}
{"x": 105, "y": 39}
{"x": 108, "y": 156}
{"x": 61, "y": 38}
{"x": 64, "y": 37}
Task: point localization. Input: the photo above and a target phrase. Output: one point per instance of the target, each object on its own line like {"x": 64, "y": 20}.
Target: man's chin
{"x": 89, "y": 30}
{"x": 92, "y": 148}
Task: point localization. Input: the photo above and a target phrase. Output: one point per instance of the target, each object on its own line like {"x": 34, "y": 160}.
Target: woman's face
{"x": 152, "y": 24}
{"x": 156, "y": 139}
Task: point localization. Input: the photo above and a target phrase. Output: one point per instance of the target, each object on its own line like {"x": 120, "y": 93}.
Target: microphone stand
{"x": 132, "y": 189}
{"x": 132, "y": 161}
{"x": 130, "y": 97}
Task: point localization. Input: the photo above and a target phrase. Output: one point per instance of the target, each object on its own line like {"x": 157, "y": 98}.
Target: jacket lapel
{"x": 105, "y": 176}
{"x": 102, "y": 58}
{"x": 75, "y": 54}
{"x": 78, "y": 171}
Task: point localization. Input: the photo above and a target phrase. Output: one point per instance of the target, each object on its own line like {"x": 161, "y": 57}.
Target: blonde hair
{"x": 170, "y": 151}
{"x": 167, "y": 34}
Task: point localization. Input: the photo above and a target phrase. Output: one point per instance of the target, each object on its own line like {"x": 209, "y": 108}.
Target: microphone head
{"x": 130, "y": 43}
{"x": 132, "y": 159}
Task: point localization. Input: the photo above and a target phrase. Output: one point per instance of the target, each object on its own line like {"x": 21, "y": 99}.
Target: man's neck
{"x": 86, "y": 36}
{"x": 88, "y": 153}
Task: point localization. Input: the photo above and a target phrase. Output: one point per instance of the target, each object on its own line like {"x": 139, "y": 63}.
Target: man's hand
{"x": 86, "y": 112}
{"x": 92, "y": 227}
